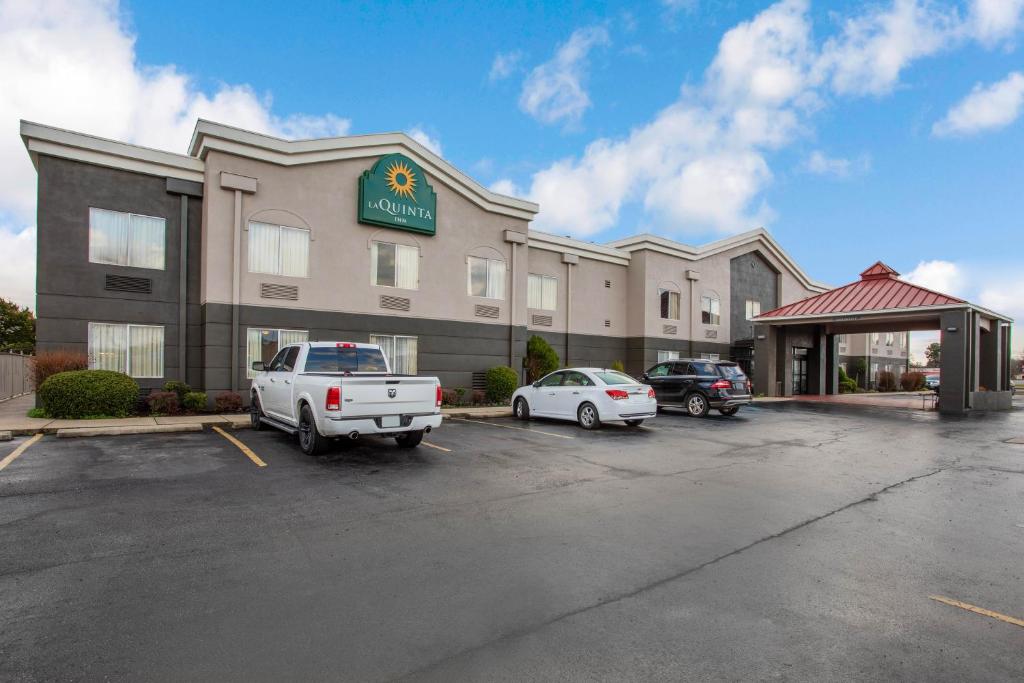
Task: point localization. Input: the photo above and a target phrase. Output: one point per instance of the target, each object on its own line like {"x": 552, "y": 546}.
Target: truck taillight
{"x": 617, "y": 394}
{"x": 437, "y": 401}
{"x": 333, "y": 398}
{"x": 721, "y": 384}
{"x": 650, "y": 393}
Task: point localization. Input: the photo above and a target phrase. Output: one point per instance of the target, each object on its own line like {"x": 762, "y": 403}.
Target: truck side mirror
{"x": 258, "y": 366}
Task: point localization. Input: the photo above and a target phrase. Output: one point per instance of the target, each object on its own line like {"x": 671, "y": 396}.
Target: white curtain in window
{"x": 294, "y": 252}
{"x": 496, "y": 280}
{"x": 405, "y": 356}
{"x": 253, "y": 349}
{"x": 146, "y": 242}
{"x": 264, "y": 248}
{"x": 535, "y": 291}
{"x": 667, "y": 355}
{"x": 387, "y": 346}
{"x": 293, "y": 337}
{"x": 108, "y": 347}
{"x": 477, "y": 276}
{"x": 146, "y": 351}
{"x": 108, "y": 236}
{"x": 550, "y": 293}
{"x": 407, "y": 265}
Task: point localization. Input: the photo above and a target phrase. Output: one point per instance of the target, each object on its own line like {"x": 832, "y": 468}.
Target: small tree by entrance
{"x": 540, "y": 359}
{"x": 933, "y": 352}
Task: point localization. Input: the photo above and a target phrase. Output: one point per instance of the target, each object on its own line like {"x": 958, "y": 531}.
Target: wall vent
{"x": 394, "y": 303}
{"x": 711, "y": 334}
{"x": 485, "y": 311}
{"x": 123, "y": 283}
{"x": 669, "y": 329}
{"x": 607, "y": 283}
{"x": 269, "y": 290}
{"x": 479, "y": 381}
{"x": 607, "y": 323}
{"x": 541, "y": 320}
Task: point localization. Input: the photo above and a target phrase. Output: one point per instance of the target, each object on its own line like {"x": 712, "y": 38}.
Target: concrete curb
{"x": 5, "y": 436}
{"x": 492, "y": 413}
{"x": 72, "y": 432}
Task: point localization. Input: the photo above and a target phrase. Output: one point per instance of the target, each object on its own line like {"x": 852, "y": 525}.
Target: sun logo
{"x": 401, "y": 180}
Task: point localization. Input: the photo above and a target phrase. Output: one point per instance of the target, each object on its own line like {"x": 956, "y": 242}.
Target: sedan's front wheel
{"x": 587, "y": 416}
{"x": 696, "y": 405}
{"x": 521, "y": 409}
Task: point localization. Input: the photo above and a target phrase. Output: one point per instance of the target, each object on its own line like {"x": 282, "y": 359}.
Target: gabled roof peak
{"x": 879, "y": 271}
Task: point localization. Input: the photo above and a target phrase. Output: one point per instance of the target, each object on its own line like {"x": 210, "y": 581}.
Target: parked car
{"x": 931, "y": 382}
{"x": 588, "y": 396}
{"x": 699, "y": 385}
{"x": 331, "y": 390}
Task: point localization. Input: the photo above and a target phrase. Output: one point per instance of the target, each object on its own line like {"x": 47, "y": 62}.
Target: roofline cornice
{"x": 881, "y": 313}
{"x": 568, "y": 245}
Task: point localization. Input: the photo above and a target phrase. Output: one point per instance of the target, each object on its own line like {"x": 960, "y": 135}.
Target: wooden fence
{"x": 15, "y": 375}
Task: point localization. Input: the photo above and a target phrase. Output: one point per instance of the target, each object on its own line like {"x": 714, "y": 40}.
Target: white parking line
{"x": 522, "y": 429}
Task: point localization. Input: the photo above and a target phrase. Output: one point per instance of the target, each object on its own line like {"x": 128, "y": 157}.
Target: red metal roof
{"x": 878, "y": 289}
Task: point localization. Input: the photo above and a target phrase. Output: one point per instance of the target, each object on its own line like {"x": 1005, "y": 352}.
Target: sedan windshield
{"x": 348, "y": 359}
{"x": 613, "y": 377}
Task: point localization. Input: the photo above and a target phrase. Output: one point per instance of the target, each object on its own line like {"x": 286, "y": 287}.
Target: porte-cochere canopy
{"x": 975, "y": 341}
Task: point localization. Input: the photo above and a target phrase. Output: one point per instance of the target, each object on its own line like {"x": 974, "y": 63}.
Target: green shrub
{"x": 847, "y": 386}
{"x": 540, "y": 360}
{"x": 501, "y": 382}
{"x": 179, "y": 388}
{"x": 89, "y": 393}
{"x": 618, "y": 366}
{"x": 228, "y": 402}
{"x": 912, "y": 381}
{"x": 195, "y": 401}
{"x": 163, "y": 403}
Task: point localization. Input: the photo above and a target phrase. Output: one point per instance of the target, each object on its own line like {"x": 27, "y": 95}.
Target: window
{"x": 400, "y": 352}
{"x": 576, "y": 379}
{"x": 349, "y": 359}
{"x": 875, "y": 338}
{"x": 263, "y": 345}
{"x": 842, "y": 339}
{"x": 486, "y": 278}
{"x": 669, "y": 304}
{"x": 710, "y": 356}
{"x": 126, "y": 239}
{"x": 135, "y": 350}
{"x": 612, "y": 378}
{"x": 553, "y": 380}
{"x": 753, "y": 309}
{"x": 278, "y": 250}
{"x": 702, "y": 369}
{"x": 710, "y": 310}
{"x": 542, "y": 291}
{"x": 667, "y": 355}
{"x": 395, "y": 265}
{"x": 889, "y": 338}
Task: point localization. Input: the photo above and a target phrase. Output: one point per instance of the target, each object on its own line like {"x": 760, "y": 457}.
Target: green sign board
{"x": 394, "y": 193}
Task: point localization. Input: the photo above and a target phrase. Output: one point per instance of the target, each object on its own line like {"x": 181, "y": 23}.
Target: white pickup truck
{"x": 330, "y": 390}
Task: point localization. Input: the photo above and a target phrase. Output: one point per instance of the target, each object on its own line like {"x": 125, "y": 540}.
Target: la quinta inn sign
{"x": 395, "y": 194}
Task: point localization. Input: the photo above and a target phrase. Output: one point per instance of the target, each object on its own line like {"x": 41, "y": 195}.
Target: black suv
{"x": 699, "y": 385}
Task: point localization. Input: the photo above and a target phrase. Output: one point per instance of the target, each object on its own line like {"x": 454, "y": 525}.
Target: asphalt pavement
{"x": 789, "y": 542}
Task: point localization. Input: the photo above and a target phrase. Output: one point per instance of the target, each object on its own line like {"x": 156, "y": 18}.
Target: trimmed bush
{"x": 618, "y": 366}
{"x": 228, "y": 402}
{"x": 886, "y": 381}
{"x": 163, "y": 403}
{"x": 540, "y": 359}
{"x": 88, "y": 393}
{"x": 49, "y": 363}
{"x": 194, "y": 401}
{"x": 912, "y": 381}
{"x": 179, "y": 388}
{"x": 479, "y": 397}
{"x": 501, "y": 382}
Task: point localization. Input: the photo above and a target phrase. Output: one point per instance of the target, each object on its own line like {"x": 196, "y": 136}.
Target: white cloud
{"x": 994, "y": 20}
{"x": 18, "y": 276}
{"x": 941, "y": 276}
{"x": 985, "y": 108}
{"x": 504, "y": 65}
{"x": 72, "y": 64}
{"x": 506, "y": 187}
{"x": 432, "y": 143}
{"x": 554, "y": 91}
{"x": 818, "y": 163}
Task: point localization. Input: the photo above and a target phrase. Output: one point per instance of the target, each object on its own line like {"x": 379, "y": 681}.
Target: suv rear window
{"x": 731, "y": 371}
{"x": 703, "y": 368}
{"x": 612, "y": 377}
{"x": 337, "y": 359}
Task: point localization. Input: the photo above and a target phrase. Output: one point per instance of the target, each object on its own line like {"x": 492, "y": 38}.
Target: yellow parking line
{"x": 522, "y": 429}
{"x": 978, "y": 610}
{"x": 434, "y": 445}
{"x": 19, "y": 450}
{"x": 241, "y": 446}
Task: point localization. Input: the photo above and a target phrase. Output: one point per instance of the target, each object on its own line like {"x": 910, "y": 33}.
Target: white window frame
{"x": 163, "y": 242}
{"x": 279, "y": 270}
{"x": 545, "y": 281}
{"x": 751, "y": 305}
{"x": 249, "y": 360}
{"x": 377, "y": 338}
{"x": 667, "y": 355}
{"x": 711, "y": 356}
{"x": 495, "y": 281}
{"x": 128, "y": 347}
{"x": 374, "y": 275}
{"x": 713, "y": 317}
{"x": 679, "y": 303}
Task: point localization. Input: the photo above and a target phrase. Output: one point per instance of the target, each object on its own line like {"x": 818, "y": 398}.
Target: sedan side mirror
{"x": 258, "y": 366}
{"x": 536, "y": 384}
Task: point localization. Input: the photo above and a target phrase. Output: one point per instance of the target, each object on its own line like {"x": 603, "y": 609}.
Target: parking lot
{"x": 788, "y": 542}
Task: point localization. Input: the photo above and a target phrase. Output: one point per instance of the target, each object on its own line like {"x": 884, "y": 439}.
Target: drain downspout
{"x": 239, "y": 184}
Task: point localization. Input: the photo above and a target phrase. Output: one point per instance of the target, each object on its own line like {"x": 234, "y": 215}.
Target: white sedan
{"x": 589, "y": 396}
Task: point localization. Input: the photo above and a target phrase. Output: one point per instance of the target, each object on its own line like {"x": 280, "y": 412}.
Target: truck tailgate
{"x": 380, "y": 395}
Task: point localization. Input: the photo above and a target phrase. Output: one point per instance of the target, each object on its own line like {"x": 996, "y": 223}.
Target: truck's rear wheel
{"x": 310, "y": 440}
{"x": 409, "y": 439}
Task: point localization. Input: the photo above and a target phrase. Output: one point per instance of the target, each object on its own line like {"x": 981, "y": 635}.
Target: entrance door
{"x": 799, "y": 371}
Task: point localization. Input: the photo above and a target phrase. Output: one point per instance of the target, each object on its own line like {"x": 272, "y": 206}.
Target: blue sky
{"x": 848, "y": 129}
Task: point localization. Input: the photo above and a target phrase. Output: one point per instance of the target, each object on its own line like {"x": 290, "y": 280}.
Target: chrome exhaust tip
{"x": 426, "y": 430}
